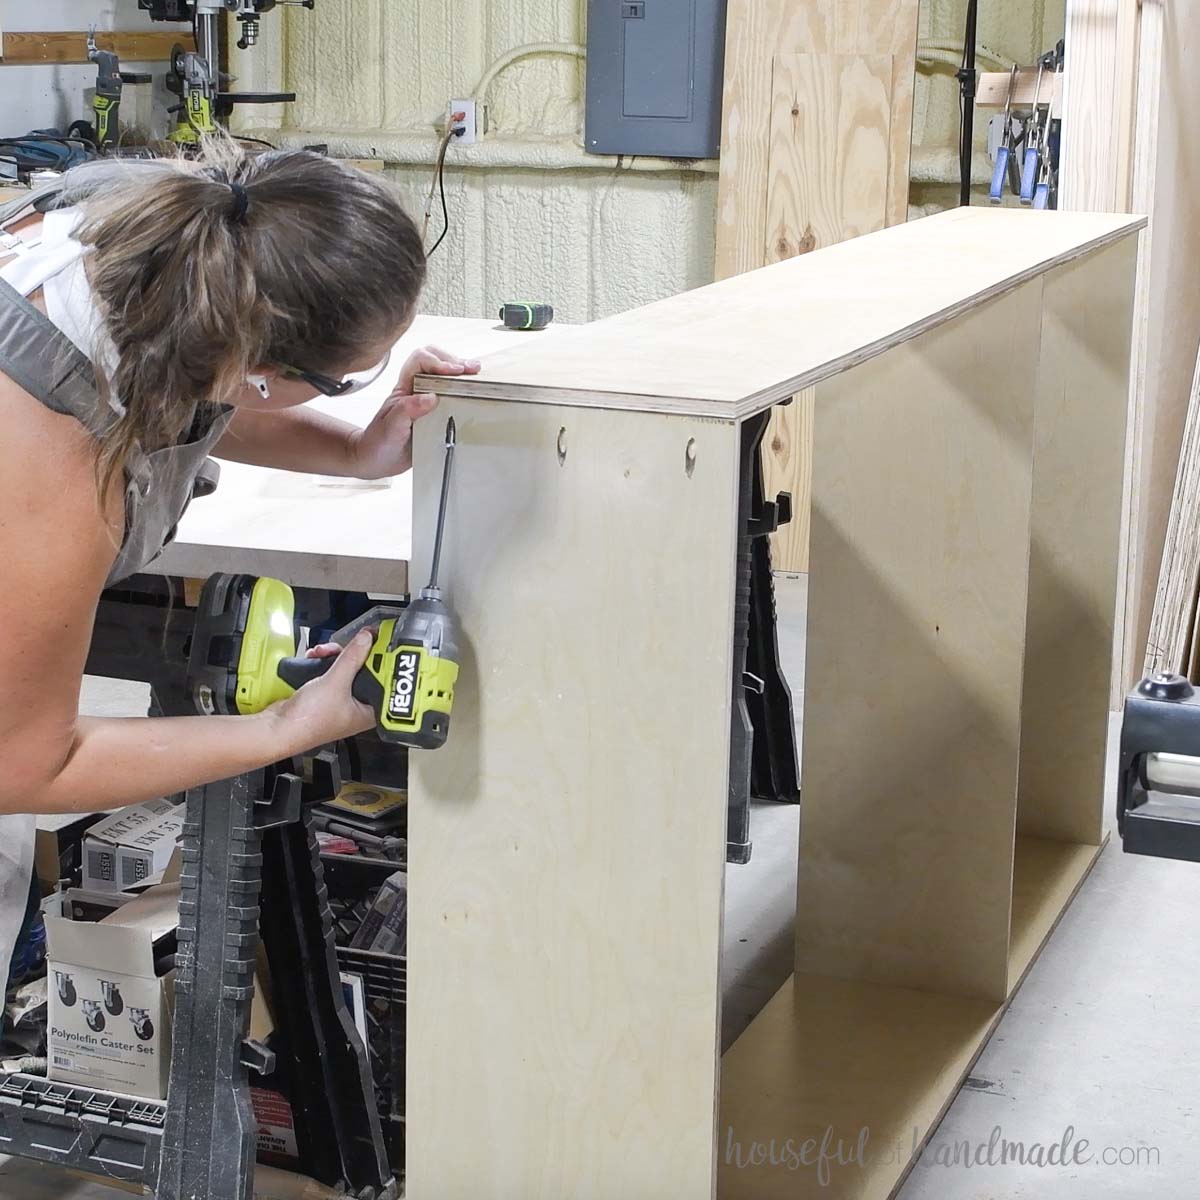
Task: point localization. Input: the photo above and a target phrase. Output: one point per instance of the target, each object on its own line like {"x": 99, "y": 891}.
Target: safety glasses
{"x": 328, "y": 386}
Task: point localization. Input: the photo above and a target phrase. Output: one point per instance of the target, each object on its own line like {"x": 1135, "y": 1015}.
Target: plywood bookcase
{"x": 567, "y": 859}
{"x": 815, "y": 149}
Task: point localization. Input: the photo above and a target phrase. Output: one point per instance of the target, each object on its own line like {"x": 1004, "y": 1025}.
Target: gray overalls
{"x": 37, "y": 356}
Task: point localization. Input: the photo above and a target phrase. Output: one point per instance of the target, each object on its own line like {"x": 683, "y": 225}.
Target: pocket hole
{"x": 689, "y": 457}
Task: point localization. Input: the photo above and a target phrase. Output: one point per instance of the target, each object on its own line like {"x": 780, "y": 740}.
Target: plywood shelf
{"x": 830, "y": 1058}
{"x": 1046, "y": 876}
{"x": 842, "y": 1056}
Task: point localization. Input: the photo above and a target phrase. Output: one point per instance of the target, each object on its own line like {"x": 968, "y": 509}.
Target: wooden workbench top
{"x": 316, "y": 531}
{"x": 736, "y": 347}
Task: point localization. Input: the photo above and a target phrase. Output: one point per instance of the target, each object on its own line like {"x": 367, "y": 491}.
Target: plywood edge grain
{"x": 557, "y": 373}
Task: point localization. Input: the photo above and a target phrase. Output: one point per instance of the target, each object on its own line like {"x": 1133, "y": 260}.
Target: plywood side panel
{"x": 922, "y": 485}
{"x": 567, "y": 848}
{"x": 1082, "y": 407}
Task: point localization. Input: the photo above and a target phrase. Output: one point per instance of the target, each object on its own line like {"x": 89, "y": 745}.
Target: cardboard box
{"x": 385, "y": 927}
{"x": 58, "y": 849}
{"x": 276, "y": 1128}
{"x": 128, "y": 848}
{"x": 110, "y": 1014}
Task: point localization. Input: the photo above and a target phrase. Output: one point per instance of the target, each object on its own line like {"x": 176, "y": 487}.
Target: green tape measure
{"x": 527, "y": 316}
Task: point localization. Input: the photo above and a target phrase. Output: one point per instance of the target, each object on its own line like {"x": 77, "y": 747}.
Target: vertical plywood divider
{"x": 1080, "y": 446}
{"x": 917, "y": 605}
{"x": 567, "y": 847}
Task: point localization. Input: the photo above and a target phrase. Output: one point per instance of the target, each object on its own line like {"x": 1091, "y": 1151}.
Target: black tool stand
{"x": 1162, "y": 716}
{"x": 246, "y": 841}
{"x": 762, "y": 759}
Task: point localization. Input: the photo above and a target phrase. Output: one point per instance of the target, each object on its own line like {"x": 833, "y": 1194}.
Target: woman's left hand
{"x": 384, "y": 448}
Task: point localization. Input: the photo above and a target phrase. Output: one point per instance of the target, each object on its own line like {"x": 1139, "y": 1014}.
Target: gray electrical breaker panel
{"x": 655, "y": 71}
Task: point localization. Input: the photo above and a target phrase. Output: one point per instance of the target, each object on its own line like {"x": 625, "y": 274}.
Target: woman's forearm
{"x": 293, "y": 439}
{"x": 114, "y": 762}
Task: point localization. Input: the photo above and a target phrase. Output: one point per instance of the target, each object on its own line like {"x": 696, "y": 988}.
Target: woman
{"x": 171, "y": 311}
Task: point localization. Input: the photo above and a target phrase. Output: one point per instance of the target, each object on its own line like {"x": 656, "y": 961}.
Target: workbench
{"x": 567, "y": 851}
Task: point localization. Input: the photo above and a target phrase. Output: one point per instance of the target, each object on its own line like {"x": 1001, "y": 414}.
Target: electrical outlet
{"x": 470, "y": 133}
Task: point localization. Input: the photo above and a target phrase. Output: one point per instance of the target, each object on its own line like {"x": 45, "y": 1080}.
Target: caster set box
{"x": 110, "y": 996}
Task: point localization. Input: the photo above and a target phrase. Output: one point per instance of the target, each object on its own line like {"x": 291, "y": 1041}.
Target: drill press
{"x": 197, "y": 76}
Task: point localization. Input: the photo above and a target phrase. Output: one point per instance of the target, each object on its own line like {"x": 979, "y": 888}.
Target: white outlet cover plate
{"x": 471, "y": 135}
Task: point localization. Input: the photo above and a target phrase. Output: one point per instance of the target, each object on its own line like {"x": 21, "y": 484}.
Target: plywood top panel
{"x": 735, "y": 347}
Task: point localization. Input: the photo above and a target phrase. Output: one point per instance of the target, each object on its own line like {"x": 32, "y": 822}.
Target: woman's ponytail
{"x": 205, "y": 270}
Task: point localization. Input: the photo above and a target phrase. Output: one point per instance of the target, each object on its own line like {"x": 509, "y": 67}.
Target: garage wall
{"x": 45, "y": 97}
{"x": 532, "y": 216}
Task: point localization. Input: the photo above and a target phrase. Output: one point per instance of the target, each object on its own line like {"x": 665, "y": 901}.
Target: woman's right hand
{"x": 325, "y": 710}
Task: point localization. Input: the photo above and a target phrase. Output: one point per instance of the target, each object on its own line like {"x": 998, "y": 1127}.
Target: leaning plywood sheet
{"x": 1171, "y": 626}
{"x": 1101, "y": 81}
{"x": 1168, "y": 329}
{"x": 815, "y": 149}
{"x": 751, "y": 158}
{"x": 736, "y": 347}
{"x": 828, "y": 181}
{"x": 830, "y": 125}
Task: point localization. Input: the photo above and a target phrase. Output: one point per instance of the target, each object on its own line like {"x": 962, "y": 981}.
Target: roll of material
{"x": 1176, "y": 774}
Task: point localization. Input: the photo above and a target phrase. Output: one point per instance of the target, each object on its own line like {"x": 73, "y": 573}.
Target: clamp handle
{"x": 1029, "y": 175}
{"x": 998, "y": 175}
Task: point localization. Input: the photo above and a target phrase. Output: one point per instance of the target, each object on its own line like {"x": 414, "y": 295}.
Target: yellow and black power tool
{"x": 195, "y": 81}
{"x": 244, "y": 651}
{"x": 107, "y": 102}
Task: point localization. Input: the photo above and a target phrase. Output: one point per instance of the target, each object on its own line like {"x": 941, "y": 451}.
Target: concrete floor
{"x": 1101, "y": 1039}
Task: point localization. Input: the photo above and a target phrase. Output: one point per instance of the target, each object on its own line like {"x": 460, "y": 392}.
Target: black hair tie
{"x": 241, "y": 203}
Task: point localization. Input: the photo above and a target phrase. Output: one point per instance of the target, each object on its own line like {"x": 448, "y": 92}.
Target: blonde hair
{"x": 205, "y": 269}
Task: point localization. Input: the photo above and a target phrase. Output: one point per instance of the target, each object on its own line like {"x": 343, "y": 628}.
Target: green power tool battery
{"x": 532, "y": 317}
